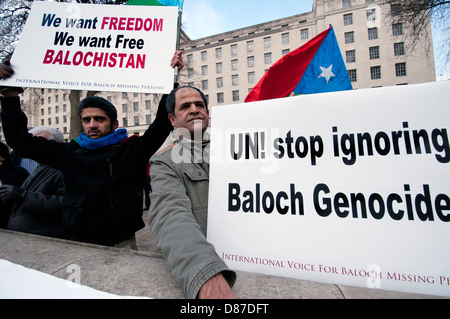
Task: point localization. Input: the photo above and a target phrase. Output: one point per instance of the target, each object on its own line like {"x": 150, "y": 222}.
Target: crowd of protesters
{"x": 91, "y": 188}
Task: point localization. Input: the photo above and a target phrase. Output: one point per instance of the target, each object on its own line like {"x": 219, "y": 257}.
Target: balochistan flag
{"x": 173, "y": 3}
{"x": 315, "y": 67}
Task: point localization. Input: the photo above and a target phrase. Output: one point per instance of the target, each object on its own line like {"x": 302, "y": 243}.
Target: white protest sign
{"x": 349, "y": 188}
{"x": 96, "y": 47}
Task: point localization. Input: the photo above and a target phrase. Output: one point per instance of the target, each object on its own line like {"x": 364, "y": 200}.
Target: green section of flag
{"x": 144, "y": 3}
{"x": 174, "y": 3}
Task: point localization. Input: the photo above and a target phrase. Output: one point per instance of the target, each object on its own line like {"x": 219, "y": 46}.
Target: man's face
{"x": 190, "y": 111}
{"x": 96, "y": 124}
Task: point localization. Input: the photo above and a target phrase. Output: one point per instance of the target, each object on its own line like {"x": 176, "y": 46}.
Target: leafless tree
{"x": 418, "y": 14}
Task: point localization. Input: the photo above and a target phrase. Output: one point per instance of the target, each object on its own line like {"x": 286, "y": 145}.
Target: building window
{"x": 285, "y": 38}
{"x": 350, "y": 56}
{"x": 286, "y": 51}
{"x": 371, "y": 15}
{"x": 205, "y": 85}
{"x": 136, "y": 120}
{"x": 234, "y": 64}
{"x": 190, "y": 58}
{"x": 220, "y": 98}
{"x": 251, "y": 61}
{"x": 124, "y": 108}
{"x": 374, "y": 52}
{"x": 235, "y": 96}
{"x": 148, "y": 119}
{"x": 397, "y": 29}
{"x": 352, "y": 75}
{"x": 373, "y": 33}
{"x": 348, "y": 19}
{"x": 235, "y": 80}
{"x": 268, "y": 58}
{"x": 375, "y": 72}
{"x": 219, "y": 67}
{"x": 219, "y": 82}
{"x": 251, "y": 77}
{"x": 136, "y": 106}
{"x": 349, "y": 37}
{"x": 395, "y": 10}
{"x": 218, "y": 53}
{"x": 400, "y": 69}
{"x": 346, "y": 3}
{"x": 234, "y": 49}
{"x": 267, "y": 42}
{"x": 399, "y": 48}
{"x": 204, "y": 70}
{"x": 250, "y": 46}
{"x": 190, "y": 73}
{"x": 304, "y": 34}
{"x": 204, "y": 55}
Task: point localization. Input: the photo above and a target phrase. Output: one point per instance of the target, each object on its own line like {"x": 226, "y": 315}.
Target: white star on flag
{"x": 326, "y": 73}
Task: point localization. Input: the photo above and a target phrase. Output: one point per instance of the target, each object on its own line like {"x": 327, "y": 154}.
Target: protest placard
{"x": 96, "y": 47}
{"x": 349, "y": 188}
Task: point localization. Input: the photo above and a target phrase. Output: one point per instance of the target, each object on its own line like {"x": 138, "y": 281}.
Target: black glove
{"x": 11, "y": 193}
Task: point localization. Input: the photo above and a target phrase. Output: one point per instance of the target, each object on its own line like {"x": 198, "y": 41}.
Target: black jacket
{"x": 10, "y": 175}
{"x": 103, "y": 201}
{"x": 40, "y": 211}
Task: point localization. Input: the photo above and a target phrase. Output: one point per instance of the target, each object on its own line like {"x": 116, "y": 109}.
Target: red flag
{"x": 282, "y": 78}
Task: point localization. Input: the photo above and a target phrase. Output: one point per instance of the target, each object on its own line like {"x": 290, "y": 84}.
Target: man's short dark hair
{"x": 170, "y": 102}
{"x": 99, "y": 103}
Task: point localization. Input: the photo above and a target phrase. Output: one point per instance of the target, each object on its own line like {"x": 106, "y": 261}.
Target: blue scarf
{"x": 117, "y": 137}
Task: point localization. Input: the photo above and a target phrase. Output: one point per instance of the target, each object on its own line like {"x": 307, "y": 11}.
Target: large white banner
{"x": 96, "y": 47}
{"x": 349, "y": 188}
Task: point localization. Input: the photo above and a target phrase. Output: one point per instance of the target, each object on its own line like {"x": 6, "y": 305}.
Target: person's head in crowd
{"x": 98, "y": 117}
{"x": 48, "y": 133}
{"x": 188, "y": 109}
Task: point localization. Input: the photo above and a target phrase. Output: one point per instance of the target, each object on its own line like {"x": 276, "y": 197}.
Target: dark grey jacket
{"x": 41, "y": 209}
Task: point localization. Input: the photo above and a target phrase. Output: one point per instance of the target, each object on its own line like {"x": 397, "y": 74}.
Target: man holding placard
{"x": 104, "y": 169}
{"x": 178, "y": 212}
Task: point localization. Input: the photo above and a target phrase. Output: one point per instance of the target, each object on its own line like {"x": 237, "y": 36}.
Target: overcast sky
{"x": 203, "y": 18}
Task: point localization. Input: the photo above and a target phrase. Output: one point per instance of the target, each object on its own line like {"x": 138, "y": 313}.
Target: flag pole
{"x": 180, "y": 14}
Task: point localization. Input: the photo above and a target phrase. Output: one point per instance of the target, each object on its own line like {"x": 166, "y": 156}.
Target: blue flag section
{"x": 326, "y": 72}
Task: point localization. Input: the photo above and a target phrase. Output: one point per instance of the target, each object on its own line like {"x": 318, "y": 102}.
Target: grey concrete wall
{"x": 143, "y": 273}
